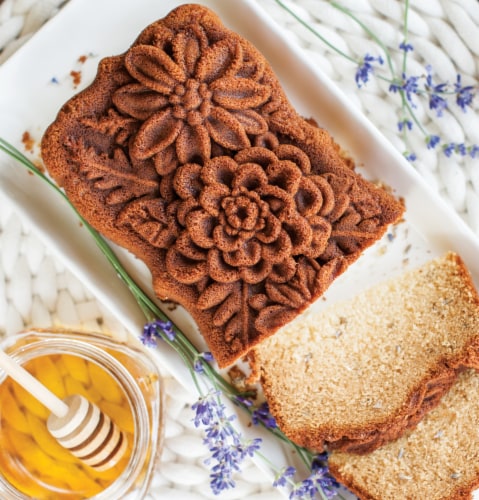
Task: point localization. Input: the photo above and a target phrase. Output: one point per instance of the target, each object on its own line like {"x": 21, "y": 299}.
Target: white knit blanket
{"x": 36, "y": 290}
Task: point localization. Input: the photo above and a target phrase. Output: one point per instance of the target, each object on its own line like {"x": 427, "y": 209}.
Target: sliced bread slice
{"x": 360, "y": 373}
{"x": 438, "y": 460}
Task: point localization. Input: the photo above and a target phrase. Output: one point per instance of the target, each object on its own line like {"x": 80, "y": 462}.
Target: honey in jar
{"x": 122, "y": 382}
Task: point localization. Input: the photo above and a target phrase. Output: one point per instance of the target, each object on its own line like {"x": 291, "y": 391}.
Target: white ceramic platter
{"x": 37, "y": 80}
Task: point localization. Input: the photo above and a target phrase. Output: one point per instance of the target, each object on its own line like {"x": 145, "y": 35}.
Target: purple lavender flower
{"x": 156, "y": 330}
{"x": 449, "y": 148}
{"x": 224, "y": 455}
{"x": 207, "y": 356}
{"x": 319, "y": 481}
{"x": 461, "y": 149}
{"x": 198, "y": 366}
{"x": 284, "y": 476}
{"x": 406, "y": 47}
{"x": 218, "y": 432}
{"x": 304, "y": 489}
{"x": 410, "y": 156}
{"x": 432, "y": 141}
{"x": 203, "y": 357}
{"x": 262, "y": 415}
{"x": 474, "y": 151}
{"x": 395, "y": 86}
{"x": 149, "y": 335}
{"x": 220, "y": 483}
{"x": 244, "y": 401}
{"x": 436, "y": 101}
{"x": 404, "y": 124}
{"x": 165, "y": 328}
{"x": 408, "y": 85}
{"x": 365, "y": 68}
{"x": 208, "y": 410}
{"x": 227, "y": 447}
{"x": 229, "y": 457}
{"x": 249, "y": 448}
{"x": 464, "y": 95}
{"x": 326, "y": 482}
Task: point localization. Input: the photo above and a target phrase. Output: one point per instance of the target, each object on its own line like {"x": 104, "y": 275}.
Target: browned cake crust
{"x": 186, "y": 151}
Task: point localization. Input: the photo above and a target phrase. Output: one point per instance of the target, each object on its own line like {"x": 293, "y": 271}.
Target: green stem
{"x": 315, "y": 33}
{"x": 384, "y": 48}
{"x": 406, "y": 34}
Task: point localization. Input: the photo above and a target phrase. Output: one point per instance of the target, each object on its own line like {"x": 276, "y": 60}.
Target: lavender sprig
{"x": 319, "y": 481}
{"x": 366, "y": 68}
{"x": 227, "y": 446}
{"x": 229, "y": 450}
{"x": 262, "y": 415}
{"x": 410, "y": 88}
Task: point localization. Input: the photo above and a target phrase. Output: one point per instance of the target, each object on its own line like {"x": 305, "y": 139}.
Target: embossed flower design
{"x": 246, "y": 218}
{"x": 185, "y": 151}
{"x": 190, "y": 91}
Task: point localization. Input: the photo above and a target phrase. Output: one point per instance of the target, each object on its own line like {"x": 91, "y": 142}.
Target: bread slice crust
{"x": 438, "y": 460}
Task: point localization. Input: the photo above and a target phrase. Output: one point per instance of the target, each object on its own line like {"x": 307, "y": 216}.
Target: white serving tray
{"x": 36, "y": 81}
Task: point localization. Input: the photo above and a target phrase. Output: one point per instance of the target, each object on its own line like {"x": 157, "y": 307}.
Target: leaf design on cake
{"x": 187, "y": 92}
{"x": 113, "y": 124}
{"x": 153, "y": 219}
{"x": 114, "y": 174}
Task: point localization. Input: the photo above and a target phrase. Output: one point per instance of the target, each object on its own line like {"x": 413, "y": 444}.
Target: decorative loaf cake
{"x": 438, "y": 460}
{"x": 361, "y": 372}
{"x": 186, "y": 151}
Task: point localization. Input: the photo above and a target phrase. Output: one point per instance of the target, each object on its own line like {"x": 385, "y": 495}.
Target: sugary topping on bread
{"x": 186, "y": 151}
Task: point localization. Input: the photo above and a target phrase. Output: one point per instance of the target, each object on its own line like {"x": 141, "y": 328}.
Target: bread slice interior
{"x": 360, "y": 373}
{"x": 439, "y": 459}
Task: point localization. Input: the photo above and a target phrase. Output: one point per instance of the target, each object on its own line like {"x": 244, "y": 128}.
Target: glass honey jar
{"x": 125, "y": 384}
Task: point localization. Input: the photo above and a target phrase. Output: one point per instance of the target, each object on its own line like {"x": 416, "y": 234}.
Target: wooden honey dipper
{"x": 76, "y": 423}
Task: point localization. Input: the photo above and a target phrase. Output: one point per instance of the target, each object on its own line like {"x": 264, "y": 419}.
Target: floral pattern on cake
{"x": 186, "y": 151}
{"x": 246, "y": 231}
{"x": 188, "y": 92}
